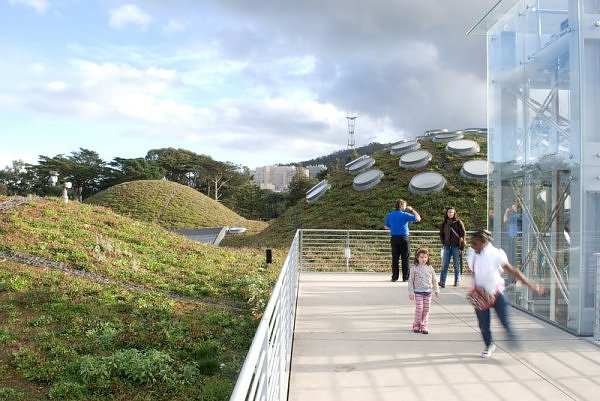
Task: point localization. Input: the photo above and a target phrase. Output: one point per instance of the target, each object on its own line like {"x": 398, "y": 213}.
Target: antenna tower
{"x": 351, "y": 121}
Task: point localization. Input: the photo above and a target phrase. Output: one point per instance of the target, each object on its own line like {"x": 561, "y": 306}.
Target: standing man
{"x": 397, "y": 222}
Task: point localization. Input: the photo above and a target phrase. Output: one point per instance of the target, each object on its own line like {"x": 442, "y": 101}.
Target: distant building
{"x": 276, "y": 178}
{"x": 315, "y": 170}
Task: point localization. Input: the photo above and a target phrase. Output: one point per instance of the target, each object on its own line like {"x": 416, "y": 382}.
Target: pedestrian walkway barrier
{"x": 265, "y": 373}
{"x": 356, "y": 250}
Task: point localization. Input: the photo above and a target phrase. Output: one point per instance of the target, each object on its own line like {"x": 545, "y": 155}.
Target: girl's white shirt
{"x": 488, "y": 267}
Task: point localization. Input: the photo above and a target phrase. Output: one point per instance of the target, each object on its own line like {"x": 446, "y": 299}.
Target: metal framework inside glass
{"x": 544, "y": 150}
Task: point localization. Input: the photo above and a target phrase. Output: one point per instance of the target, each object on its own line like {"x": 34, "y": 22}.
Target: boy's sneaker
{"x": 487, "y": 353}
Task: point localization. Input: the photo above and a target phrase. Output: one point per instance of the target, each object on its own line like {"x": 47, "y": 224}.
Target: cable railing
{"x": 265, "y": 373}
{"x": 357, "y": 250}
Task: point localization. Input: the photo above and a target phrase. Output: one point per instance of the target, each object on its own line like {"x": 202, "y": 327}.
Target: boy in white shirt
{"x": 487, "y": 264}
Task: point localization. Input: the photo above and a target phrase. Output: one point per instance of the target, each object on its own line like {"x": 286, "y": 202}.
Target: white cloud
{"x": 129, "y": 14}
{"x": 40, "y": 6}
{"x": 107, "y": 92}
{"x": 174, "y": 25}
{"x": 37, "y": 68}
{"x": 57, "y": 86}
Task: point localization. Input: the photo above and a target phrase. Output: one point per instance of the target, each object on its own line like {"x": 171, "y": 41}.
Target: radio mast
{"x": 351, "y": 121}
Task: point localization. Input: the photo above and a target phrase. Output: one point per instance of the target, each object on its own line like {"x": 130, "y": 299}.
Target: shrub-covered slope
{"x": 341, "y": 207}
{"x": 69, "y": 337}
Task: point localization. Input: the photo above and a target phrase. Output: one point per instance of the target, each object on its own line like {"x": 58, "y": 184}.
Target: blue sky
{"x": 254, "y": 82}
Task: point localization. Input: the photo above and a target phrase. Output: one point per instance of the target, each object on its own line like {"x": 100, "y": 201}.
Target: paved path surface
{"x": 353, "y": 341}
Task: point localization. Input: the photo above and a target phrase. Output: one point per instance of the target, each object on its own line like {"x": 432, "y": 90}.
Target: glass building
{"x": 543, "y": 73}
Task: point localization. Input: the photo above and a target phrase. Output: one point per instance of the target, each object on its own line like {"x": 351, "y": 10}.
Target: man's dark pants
{"x": 400, "y": 250}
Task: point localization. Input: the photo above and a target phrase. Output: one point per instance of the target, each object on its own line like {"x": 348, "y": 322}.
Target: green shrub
{"x": 5, "y": 337}
{"x": 103, "y": 335}
{"x": 10, "y": 394}
{"x": 94, "y": 372}
{"x": 131, "y": 365}
{"x": 27, "y": 363}
{"x": 204, "y": 355}
{"x": 34, "y": 367}
{"x": 41, "y": 321}
{"x": 18, "y": 283}
{"x": 67, "y": 391}
{"x": 142, "y": 367}
{"x": 215, "y": 389}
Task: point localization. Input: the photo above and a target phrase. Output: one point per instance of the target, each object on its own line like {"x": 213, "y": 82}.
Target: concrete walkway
{"x": 353, "y": 341}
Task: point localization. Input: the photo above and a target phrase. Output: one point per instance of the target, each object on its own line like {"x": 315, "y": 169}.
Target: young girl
{"x": 421, "y": 283}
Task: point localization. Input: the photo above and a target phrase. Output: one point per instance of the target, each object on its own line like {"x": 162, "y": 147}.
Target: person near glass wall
{"x": 513, "y": 219}
{"x": 487, "y": 263}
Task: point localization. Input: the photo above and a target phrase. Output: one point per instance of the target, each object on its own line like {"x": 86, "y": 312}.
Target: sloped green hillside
{"x": 170, "y": 204}
{"x": 133, "y": 312}
{"x": 344, "y": 208}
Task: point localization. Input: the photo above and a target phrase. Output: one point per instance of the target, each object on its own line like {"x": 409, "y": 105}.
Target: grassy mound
{"x": 66, "y": 337}
{"x": 344, "y": 208}
{"x": 170, "y": 204}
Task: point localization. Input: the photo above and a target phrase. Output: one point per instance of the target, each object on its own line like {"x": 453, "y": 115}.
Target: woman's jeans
{"x": 453, "y": 251}
{"x": 483, "y": 317}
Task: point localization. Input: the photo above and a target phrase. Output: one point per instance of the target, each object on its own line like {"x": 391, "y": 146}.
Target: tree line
{"x": 224, "y": 182}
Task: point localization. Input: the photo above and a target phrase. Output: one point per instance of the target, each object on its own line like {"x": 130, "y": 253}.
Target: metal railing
{"x": 265, "y": 373}
{"x": 357, "y": 250}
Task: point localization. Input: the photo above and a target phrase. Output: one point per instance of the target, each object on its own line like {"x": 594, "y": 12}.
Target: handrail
{"x": 356, "y": 250}
{"x": 265, "y": 373}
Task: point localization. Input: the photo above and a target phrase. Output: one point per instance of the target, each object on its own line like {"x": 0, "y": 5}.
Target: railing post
{"x": 597, "y": 314}
{"x": 300, "y": 249}
{"x": 347, "y": 251}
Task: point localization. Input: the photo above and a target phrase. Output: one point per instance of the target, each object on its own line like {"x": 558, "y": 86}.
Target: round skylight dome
{"x": 475, "y": 169}
{"x": 448, "y": 136}
{"x": 415, "y": 159}
{"x": 433, "y": 132}
{"x": 358, "y": 166}
{"x": 317, "y": 191}
{"x": 367, "y": 180}
{"x": 363, "y": 157}
{"x": 403, "y": 147}
{"x": 483, "y": 132}
{"x": 465, "y": 147}
{"x": 427, "y": 182}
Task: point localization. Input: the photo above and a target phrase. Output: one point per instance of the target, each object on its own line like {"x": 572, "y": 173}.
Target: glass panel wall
{"x": 535, "y": 140}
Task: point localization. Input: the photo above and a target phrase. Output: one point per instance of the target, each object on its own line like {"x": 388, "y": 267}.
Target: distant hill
{"x": 170, "y": 204}
{"x": 344, "y": 208}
